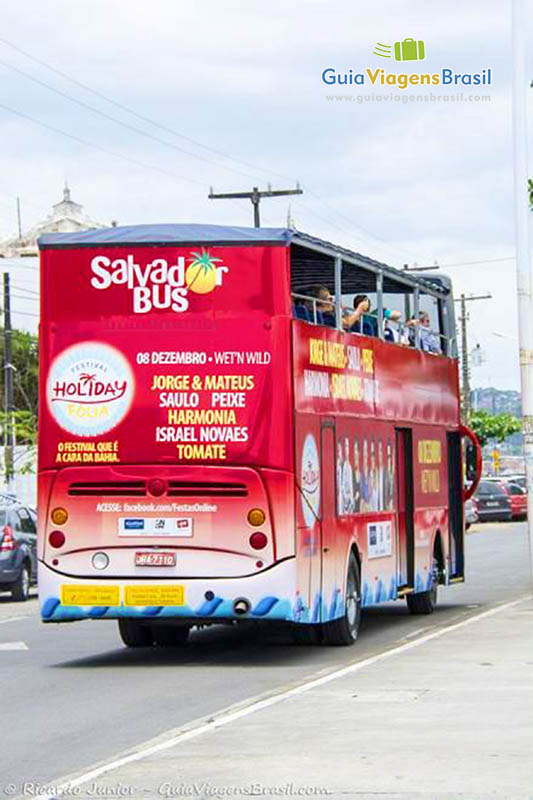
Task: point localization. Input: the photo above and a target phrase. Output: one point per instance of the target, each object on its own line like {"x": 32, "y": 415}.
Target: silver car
{"x": 471, "y": 515}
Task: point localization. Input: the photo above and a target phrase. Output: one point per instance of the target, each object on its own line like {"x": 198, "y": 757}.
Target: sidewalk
{"x": 451, "y": 716}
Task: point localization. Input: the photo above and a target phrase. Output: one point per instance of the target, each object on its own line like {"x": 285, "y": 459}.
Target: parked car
{"x": 518, "y": 497}
{"x": 471, "y": 515}
{"x": 493, "y": 502}
{"x": 18, "y": 547}
{"x": 519, "y": 479}
{"x": 515, "y": 486}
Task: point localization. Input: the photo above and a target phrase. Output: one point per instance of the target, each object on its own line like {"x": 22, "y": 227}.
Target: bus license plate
{"x": 155, "y": 559}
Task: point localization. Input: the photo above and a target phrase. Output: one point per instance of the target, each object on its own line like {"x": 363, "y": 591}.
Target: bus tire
{"x": 306, "y": 635}
{"x": 424, "y": 602}
{"x": 343, "y": 631}
{"x": 135, "y": 634}
{"x": 170, "y": 635}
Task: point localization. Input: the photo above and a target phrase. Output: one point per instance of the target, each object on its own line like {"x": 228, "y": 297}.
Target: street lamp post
{"x": 523, "y": 262}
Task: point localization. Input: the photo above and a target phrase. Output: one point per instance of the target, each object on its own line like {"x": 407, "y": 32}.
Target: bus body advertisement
{"x": 205, "y": 456}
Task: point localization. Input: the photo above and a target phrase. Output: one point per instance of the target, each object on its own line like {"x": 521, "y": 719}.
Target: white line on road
{"x": 13, "y": 646}
{"x": 14, "y": 619}
{"x": 258, "y": 705}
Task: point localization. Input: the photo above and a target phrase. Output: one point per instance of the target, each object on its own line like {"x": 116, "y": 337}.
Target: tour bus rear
{"x": 165, "y": 462}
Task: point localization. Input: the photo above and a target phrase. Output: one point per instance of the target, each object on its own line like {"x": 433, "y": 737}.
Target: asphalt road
{"x": 76, "y": 696}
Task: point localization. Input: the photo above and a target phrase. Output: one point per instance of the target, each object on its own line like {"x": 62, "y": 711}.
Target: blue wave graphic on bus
{"x": 268, "y": 607}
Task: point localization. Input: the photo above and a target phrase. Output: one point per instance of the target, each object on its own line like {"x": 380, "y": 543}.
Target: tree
{"x": 493, "y": 426}
{"x": 25, "y": 357}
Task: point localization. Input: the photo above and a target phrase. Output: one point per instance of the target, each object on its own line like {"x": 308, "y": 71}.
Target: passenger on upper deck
{"x": 363, "y": 320}
{"x": 429, "y": 341}
{"x": 325, "y": 307}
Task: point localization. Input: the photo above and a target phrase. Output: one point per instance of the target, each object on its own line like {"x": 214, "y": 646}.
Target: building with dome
{"x": 67, "y": 216}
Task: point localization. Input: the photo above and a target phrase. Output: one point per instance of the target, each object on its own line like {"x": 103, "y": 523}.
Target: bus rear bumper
{"x": 271, "y": 595}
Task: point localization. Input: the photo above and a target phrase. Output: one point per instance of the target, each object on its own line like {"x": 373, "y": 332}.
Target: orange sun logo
{"x": 202, "y": 275}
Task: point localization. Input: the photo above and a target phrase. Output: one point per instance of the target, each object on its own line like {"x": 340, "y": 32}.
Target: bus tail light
{"x": 56, "y": 539}
{"x": 59, "y": 516}
{"x": 8, "y": 540}
{"x": 258, "y": 540}
{"x": 256, "y": 517}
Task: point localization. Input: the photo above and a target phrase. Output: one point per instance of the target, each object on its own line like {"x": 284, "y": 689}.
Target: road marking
{"x": 14, "y": 619}
{"x": 226, "y": 718}
{"x": 13, "y": 646}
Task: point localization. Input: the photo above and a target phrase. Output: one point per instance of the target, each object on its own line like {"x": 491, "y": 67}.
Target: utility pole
{"x": 465, "y": 366}
{"x": 19, "y": 221}
{"x": 255, "y": 196}
{"x": 9, "y": 425}
{"x": 522, "y": 213}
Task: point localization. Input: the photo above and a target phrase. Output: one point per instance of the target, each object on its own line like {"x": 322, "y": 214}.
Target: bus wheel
{"x": 134, "y": 634}
{"x": 170, "y": 635}
{"x": 425, "y": 602}
{"x": 306, "y": 635}
{"x": 343, "y": 631}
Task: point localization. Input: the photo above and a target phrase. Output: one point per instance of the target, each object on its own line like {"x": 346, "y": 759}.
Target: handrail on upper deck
{"x": 403, "y": 330}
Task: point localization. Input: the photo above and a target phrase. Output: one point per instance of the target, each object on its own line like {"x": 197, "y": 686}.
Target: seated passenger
{"x": 363, "y": 320}
{"x": 325, "y": 308}
{"x": 429, "y": 341}
{"x": 300, "y": 310}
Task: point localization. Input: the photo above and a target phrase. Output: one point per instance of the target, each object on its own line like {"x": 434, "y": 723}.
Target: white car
{"x": 471, "y": 515}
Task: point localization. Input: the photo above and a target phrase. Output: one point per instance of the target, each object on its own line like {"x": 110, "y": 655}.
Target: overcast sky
{"x": 237, "y": 88}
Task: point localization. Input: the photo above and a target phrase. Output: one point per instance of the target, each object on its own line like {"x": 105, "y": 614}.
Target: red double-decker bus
{"x": 229, "y": 432}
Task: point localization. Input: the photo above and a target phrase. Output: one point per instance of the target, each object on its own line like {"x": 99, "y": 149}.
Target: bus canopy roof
{"x": 194, "y": 234}
{"x": 167, "y": 233}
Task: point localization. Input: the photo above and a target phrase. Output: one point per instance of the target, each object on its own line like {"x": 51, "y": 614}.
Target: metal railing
{"x": 414, "y": 335}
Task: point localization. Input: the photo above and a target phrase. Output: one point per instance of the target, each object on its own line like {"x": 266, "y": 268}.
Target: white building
{"x": 66, "y": 217}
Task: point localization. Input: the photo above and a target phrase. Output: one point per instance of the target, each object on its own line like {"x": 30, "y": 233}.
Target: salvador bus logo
{"x": 160, "y": 284}
{"x": 310, "y": 480}
{"x": 89, "y": 388}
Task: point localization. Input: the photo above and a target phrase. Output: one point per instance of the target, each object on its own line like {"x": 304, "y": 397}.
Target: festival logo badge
{"x": 89, "y": 389}
{"x": 310, "y": 480}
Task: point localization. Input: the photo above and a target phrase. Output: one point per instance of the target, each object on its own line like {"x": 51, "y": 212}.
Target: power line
{"x": 465, "y": 366}
{"x": 24, "y": 313}
{"x": 179, "y": 135}
{"x": 459, "y": 264}
{"x": 134, "y": 113}
{"x": 23, "y": 289}
{"x": 23, "y": 297}
{"x": 121, "y": 122}
{"x": 255, "y": 196}
{"x": 97, "y": 146}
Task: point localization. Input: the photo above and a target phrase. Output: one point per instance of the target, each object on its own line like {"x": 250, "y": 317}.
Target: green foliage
{"x": 530, "y": 190}
{"x": 493, "y": 426}
{"x": 25, "y": 426}
{"x": 25, "y": 358}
